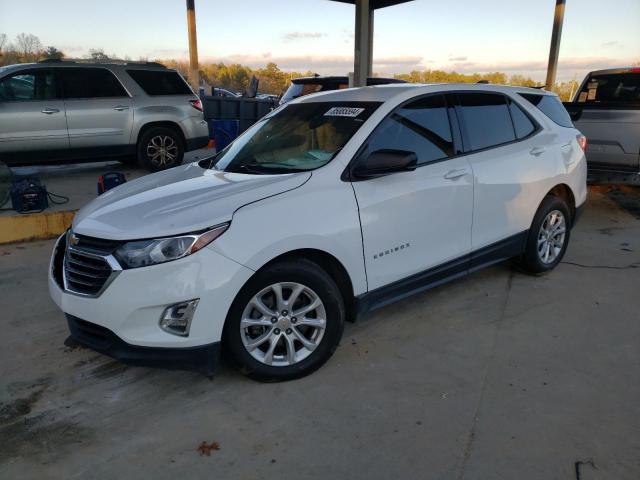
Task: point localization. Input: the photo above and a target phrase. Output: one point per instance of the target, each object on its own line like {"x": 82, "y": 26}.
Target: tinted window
{"x": 550, "y": 105}
{"x": 618, "y": 88}
{"x": 521, "y": 121}
{"x": 90, "y": 83}
{"x": 486, "y": 120}
{"x": 160, "y": 82}
{"x": 26, "y": 86}
{"x": 421, "y": 127}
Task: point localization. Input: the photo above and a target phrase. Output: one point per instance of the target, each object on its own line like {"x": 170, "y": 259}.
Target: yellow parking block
{"x": 34, "y": 226}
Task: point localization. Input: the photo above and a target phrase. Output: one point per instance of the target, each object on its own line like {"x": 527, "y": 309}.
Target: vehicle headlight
{"x": 141, "y": 253}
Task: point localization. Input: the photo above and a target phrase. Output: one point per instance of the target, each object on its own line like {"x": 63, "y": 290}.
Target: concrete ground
{"x": 78, "y": 181}
{"x": 497, "y": 376}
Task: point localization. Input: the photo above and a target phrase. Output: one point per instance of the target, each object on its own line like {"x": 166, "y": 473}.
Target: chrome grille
{"x": 89, "y": 266}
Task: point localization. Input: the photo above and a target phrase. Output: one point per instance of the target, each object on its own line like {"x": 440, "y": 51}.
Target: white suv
{"x": 333, "y": 205}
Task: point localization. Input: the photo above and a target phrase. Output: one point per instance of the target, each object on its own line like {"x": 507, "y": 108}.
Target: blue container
{"x": 224, "y": 132}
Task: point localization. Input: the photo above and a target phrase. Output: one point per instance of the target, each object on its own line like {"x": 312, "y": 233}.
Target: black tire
{"x": 152, "y": 140}
{"x": 300, "y": 271}
{"x": 531, "y": 260}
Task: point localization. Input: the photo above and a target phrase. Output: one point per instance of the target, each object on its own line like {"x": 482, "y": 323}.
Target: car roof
{"x": 341, "y": 79}
{"x": 383, "y": 93}
{"x": 113, "y": 64}
{"x": 615, "y": 70}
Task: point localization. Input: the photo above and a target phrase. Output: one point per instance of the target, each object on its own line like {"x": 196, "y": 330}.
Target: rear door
{"x": 413, "y": 221}
{"x": 32, "y": 116}
{"x": 610, "y": 119}
{"x": 99, "y": 110}
{"x": 510, "y": 162}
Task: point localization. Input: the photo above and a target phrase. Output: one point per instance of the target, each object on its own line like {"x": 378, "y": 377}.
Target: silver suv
{"x": 69, "y": 110}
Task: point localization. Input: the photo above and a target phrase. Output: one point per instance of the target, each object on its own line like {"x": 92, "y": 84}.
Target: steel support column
{"x": 194, "y": 74}
{"x": 363, "y": 52}
{"x": 554, "y": 50}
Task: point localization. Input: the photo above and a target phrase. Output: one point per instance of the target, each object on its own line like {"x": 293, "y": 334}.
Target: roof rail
{"x": 109, "y": 61}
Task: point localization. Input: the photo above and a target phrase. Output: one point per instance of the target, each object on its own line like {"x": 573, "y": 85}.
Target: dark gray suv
{"x": 70, "y": 110}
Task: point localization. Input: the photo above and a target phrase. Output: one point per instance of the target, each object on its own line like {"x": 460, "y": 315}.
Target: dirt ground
{"x": 497, "y": 376}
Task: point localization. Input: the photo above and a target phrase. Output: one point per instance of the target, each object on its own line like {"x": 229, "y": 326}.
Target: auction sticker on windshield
{"x": 344, "y": 112}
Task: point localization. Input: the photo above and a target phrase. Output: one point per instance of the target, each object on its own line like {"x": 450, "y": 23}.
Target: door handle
{"x": 120, "y": 108}
{"x": 49, "y": 111}
{"x": 455, "y": 174}
{"x": 537, "y": 151}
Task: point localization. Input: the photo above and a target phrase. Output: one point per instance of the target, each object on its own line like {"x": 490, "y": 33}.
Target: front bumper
{"x": 131, "y": 305}
{"x": 204, "y": 359}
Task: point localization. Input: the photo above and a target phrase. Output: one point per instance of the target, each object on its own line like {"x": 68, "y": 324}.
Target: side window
{"x": 486, "y": 120}
{"x": 521, "y": 121}
{"x": 550, "y": 105}
{"x": 28, "y": 86}
{"x": 421, "y": 127}
{"x": 90, "y": 83}
{"x": 160, "y": 82}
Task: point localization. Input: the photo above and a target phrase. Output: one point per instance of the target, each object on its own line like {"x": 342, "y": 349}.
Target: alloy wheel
{"x": 283, "y": 324}
{"x": 551, "y": 237}
{"x": 162, "y": 151}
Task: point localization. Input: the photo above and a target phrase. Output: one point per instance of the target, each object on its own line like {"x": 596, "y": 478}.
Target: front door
{"x": 413, "y": 221}
{"x": 32, "y": 116}
{"x": 99, "y": 110}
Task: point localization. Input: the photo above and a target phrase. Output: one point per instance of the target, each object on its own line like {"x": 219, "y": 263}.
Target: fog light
{"x": 176, "y": 319}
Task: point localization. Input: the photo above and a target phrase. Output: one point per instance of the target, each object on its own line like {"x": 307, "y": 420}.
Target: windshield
{"x": 297, "y": 138}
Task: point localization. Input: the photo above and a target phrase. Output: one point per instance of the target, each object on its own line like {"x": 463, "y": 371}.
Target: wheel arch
{"x": 564, "y": 191}
{"x": 165, "y": 124}
{"x": 330, "y": 264}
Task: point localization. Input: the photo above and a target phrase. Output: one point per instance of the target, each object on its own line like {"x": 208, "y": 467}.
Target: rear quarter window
{"x": 160, "y": 82}
{"x": 550, "y": 105}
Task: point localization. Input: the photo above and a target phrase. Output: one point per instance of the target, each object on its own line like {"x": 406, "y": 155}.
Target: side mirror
{"x": 384, "y": 162}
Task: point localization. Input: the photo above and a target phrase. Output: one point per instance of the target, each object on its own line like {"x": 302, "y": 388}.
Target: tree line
{"x": 236, "y": 77}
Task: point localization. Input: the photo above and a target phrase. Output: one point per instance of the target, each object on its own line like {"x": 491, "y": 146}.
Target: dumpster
{"x": 223, "y": 132}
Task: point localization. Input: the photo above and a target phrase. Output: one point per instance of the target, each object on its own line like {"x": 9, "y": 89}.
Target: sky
{"x": 463, "y": 35}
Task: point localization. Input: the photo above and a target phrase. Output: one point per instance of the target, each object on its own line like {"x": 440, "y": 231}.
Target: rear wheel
{"x": 286, "y": 322}
{"x": 548, "y": 236}
{"x": 160, "y": 148}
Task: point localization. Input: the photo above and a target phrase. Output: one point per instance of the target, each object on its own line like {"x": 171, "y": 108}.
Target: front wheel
{"x": 286, "y": 322}
{"x": 548, "y": 237}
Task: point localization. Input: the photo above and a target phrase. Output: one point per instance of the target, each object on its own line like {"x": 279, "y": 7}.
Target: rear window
{"x": 550, "y": 105}
{"x": 611, "y": 89}
{"x": 160, "y": 82}
{"x": 486, "y": 120}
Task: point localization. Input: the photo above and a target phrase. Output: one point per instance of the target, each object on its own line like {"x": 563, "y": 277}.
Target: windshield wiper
{"x": 244, "y": 168}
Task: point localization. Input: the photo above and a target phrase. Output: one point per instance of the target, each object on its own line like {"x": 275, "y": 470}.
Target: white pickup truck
{"x": 606, "y": 109}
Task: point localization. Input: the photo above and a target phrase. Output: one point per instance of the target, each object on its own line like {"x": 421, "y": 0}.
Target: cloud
{"x": 613, "y": 43}
{"x": 567, "y": 66}
{"x": 457, "y": 59}
{"x": 291, "y": 36}
{"x": 323, "y": 65}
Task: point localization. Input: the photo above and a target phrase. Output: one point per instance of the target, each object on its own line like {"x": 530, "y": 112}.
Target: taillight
{"x": 197, "y": 104}
{"x": 582, "y": 141}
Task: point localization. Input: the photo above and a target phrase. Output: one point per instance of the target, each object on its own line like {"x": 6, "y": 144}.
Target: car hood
{"x": 179, "y": 200}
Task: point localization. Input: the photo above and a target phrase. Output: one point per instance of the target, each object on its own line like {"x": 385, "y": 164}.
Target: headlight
{"x": 141, "y": 253}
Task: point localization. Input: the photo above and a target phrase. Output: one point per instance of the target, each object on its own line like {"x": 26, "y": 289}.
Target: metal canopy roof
{"x": 375, "y": 4}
